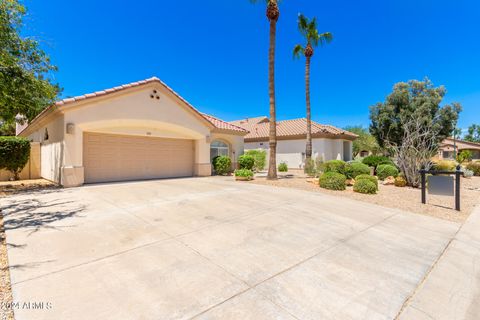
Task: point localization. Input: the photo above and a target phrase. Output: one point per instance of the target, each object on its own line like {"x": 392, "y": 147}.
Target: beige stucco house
{"x": 142, "y": 130}
{"x": 449, "y": 147}
{"x": 328, "y": 142}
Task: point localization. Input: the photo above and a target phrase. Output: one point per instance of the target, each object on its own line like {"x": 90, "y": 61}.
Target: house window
{"x": 447, "y": 155}
{"x": 218, "y": 148}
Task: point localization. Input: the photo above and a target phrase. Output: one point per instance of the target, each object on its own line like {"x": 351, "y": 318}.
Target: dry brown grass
{"x": 407, "y": 199}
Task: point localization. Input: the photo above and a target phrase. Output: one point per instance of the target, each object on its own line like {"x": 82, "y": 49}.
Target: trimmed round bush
{"x": 246, "y": 162}
{"x": 222, "y": 165}
{"x": 365, "y": 186}
{"x": 333, "y": 181}
{"x": 369, "y": 178}
{"x": 375, "y": 161}
{"x": 14, "y": 154}
{"x": 283, "y": 167}
{"x": 386, "y": 170}
{"x": 400, "y": 182}
{"x": 354, "y": 169}
{"x": 337, "y": 166}
{"x": 246, "y": 173}
{"x": 475, "y": 167}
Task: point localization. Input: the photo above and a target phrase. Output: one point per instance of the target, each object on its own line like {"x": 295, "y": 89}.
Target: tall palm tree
{"x": 309, "y": 31}
{"x": 273, "y": 13}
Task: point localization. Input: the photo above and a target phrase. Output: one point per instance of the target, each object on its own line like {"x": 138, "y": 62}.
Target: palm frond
{"x": 298, "y": 51}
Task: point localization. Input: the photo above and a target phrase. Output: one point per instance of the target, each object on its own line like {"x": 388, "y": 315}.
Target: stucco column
{"x": 202, "y": 166}
{"x": 72, "y": 171}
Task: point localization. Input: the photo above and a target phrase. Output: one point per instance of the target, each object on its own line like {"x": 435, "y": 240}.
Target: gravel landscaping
{"x": 394, "y": 197}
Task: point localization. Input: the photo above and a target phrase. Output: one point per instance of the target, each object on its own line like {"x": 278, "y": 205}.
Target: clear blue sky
{"x": 214, "y": 52}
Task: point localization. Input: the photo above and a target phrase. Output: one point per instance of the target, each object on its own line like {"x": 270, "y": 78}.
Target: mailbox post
{"x": 442, "y": 190}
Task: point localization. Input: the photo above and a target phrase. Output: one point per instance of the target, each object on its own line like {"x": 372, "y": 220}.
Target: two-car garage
{"x": 113, "y": 157}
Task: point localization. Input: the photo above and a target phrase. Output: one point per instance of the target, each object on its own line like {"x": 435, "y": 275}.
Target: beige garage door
{"x": 111, "y": 157}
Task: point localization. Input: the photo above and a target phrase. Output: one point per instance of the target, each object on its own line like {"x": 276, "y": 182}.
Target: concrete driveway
{"x": 211, "y": 248}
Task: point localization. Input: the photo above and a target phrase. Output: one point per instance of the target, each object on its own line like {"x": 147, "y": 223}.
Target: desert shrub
{"x": 375, "y": 161}
{"x": 354, "y": 169}
{"x": 246, "y": 162}
{"x": 386, "y": 170}
{"x": 310, "y": 168}
{"x": 400, "y": 182}
{"x": 333, "y": 181}
{"x": 464, "y": 155}
{"x": 260, "y": 158}
{"x": 14, "y": 154}
{"x": 247, "y": 173}
{"x": 475, "y": 167}
{"x": 365, "y": 186}
{"x": 283, "y": 167}
{"x": 222, "y": 165}
{"x": 445, "y": 165}
{"x": 369, "y": 178}
{"x": 337, "y": 166}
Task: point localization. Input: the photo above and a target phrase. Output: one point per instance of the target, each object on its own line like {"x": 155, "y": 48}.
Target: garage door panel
{"x": 109, "y": 157}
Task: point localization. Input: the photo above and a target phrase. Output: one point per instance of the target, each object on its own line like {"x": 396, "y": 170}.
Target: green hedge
{"x": 222, "y": 165}
{"x": 247, "y": 173}
{"x": 333, "y": 181}
{"x": 337, "y": 166}
{"x": 354, "y": 169}
{"x": 14, "y": 154}
{"x": 246, "y": 161}
{"x": 369, "y": 178}
{"x": 365, "y": 186}
{"x": 386, "y": 170}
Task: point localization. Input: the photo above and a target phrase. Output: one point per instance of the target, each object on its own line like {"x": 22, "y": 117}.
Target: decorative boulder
{"x": 389, "y": 181}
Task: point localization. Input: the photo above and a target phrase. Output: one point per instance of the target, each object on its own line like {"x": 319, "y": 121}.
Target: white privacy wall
{"x": 292, "y": 152}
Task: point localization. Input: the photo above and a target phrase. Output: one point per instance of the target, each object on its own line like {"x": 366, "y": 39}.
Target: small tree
{"x": 473, "y": 134}
{"x": 364, "y": 142}
{"x": 14, "y": 154}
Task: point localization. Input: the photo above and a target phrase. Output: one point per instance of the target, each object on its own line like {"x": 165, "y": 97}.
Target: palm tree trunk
{"x": 308, "y": 151}
{"x": 272, "y": 163}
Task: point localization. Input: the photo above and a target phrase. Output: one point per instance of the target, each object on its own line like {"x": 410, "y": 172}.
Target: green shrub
{"x": 247, "y": 173}
{"x": 333, "y": 181}
{"x": 445, "y": 165}
{"x": 386, "y": 170}
{"x": 354, "y": 169}
{"x": 310, "y": 168}
{"x": 260, "y": 158}
{"x": 222, "y": 165}
{"x": 365, "y": 186}
{"x": 14, "y": 154}
{"x": 369, "y": 178}
{"x": 475, "y": 167}
{"x": 375, "y": 161}
{"x": 337, "y": 166}
{"x": 464, "y": 155}
{"x": 283, "y": 167}
{"x": 246, "y": 162}
{"x": 400, "y": 182}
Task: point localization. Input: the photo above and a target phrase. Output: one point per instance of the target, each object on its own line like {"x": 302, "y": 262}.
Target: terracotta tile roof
{"x": 259, "y": 129}
{"x": 460, "y": 144}
{"x": 212, "y": 120}
{"x": 220, "y": 124}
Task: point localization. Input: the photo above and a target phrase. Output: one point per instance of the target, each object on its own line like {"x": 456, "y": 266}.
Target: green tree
{"x": 273, "y": 13}
{"x": 473, "y": 133}
{"x": 308, "y": 29}
{"x": 412, "y": 100}
{"x": 364, "y": 142}
{"x": 25, "y": 69}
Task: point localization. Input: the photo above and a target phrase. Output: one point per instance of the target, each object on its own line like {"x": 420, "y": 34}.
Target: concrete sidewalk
{"x": 452, "y": 289}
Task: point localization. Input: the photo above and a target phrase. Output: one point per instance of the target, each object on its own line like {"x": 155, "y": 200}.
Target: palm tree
{"x": 309, "y": 31}
{"x": 273, "y": 14}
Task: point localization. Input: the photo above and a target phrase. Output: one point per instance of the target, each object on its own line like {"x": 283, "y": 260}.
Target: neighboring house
{"x": 142, "y": 130}
{"x": 449, "y": 145}
{"x": 328, "y": 142}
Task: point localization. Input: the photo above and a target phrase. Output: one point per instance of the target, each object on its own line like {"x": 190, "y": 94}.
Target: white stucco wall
{"x": 292, "y": 152}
